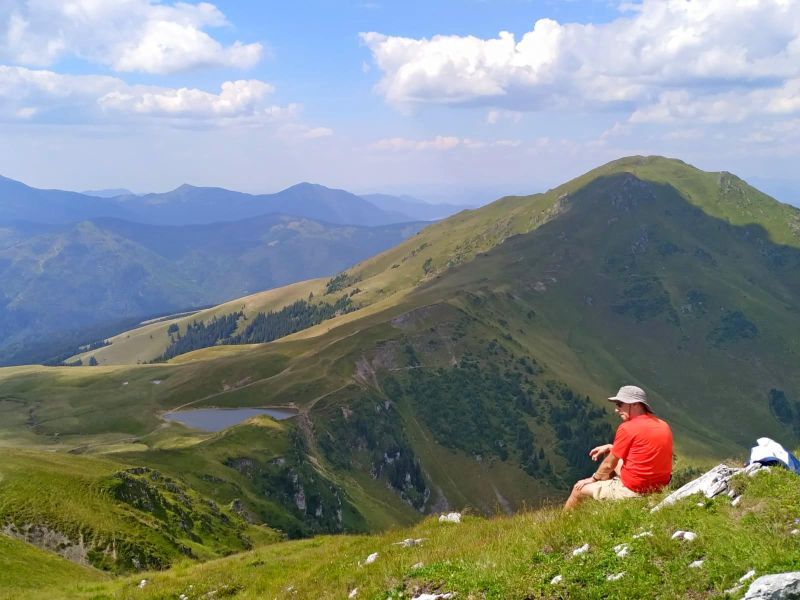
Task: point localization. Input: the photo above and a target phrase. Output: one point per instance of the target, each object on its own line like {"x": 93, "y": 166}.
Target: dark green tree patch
{"x": 780, "y": 406}
{"x": 478, "y": 409}
{"x": 732, "y": 327}
{"x": 579, "y": 426}
{"x": 202, "y": 335}
{"x": 643, "y": 298}
{"x": 266, "y": 327}
{"x": 340, "y": 282}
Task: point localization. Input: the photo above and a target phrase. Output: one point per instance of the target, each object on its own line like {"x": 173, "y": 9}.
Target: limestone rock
{"x": 696, "y": 564}
{"x": 689, "y": 536}
{"x": 409, "y": 542}
{"x": 582, "y": 550}
{"x": 452, "y": 517}
{"x": 781, "y": 586}
{"x": 710, "y": 484}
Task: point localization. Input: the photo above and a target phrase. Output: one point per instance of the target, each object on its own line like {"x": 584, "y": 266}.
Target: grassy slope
{"x": 517, "y": 557}
{"x": 149, "y": 341}
{"x": 78, "y": 497}
{"x": 27, "y": 572}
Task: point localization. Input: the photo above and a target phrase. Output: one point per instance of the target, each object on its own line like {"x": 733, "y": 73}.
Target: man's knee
{"x": 585, "y": 491}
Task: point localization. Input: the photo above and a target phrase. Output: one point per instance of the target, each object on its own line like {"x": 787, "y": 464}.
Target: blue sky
{"x": 426, "y": 98}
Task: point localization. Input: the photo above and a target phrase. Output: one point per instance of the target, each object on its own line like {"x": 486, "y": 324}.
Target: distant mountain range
{"x": 190, "y": 205}
{"x": 71, "y": 262}
{"x": 420, "y": 210}
{"x": 67, "y": 277}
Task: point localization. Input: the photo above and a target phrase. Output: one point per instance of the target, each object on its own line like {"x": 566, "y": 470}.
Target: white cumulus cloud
{"x": 124, "y": 35}
{"x": 660, "y": 60}
{"x": 46, "y": 96}
{"x": 236, "y": 98}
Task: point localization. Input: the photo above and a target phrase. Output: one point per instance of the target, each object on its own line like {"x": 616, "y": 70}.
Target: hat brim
{"x": 627, "y": 401}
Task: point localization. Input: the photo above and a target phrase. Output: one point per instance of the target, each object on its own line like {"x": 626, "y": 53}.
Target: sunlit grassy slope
{"x": 517, "y": 557}
{"x": 145, "y": 343}
{"x": 27, "y": 572}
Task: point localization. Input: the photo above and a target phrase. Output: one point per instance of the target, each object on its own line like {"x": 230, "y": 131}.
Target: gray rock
{"x": 782, "y": 586}
{"x": 752, "y": 468}
{"x": 710, "y": 484}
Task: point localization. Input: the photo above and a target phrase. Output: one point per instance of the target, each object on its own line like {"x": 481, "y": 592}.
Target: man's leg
{"x": 578, "y": 495}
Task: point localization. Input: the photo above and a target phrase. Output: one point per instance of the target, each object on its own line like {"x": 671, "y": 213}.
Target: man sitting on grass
{"x": 642, "y": 448}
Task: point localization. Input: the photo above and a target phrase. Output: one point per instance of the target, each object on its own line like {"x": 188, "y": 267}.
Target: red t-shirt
{"x": 644, "y": 443}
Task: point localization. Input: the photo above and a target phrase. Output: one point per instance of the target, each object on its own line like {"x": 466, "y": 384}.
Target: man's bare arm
{"x": 606, "y": 468}
{"x": 599, "y": 451}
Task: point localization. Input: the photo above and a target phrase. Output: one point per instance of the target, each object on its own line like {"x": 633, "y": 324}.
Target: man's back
{"x": 644, "y": 443}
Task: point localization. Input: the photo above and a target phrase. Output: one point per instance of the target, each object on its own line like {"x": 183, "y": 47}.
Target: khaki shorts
{"x": 611, "y": 489}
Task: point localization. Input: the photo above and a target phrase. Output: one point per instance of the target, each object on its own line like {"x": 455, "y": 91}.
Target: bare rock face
{"x": 781, "y": 586}
{"x": 45, "y": 538}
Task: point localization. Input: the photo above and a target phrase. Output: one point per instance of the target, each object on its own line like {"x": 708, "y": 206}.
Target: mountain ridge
{"x": 189, "y": 204}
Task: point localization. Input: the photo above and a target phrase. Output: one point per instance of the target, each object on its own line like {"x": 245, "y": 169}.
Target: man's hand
{"x": 596, "y": 453}
{"x": 582, "y": 482}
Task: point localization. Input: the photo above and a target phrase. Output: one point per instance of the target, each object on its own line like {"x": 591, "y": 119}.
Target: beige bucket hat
{"x": 630, "y": 394}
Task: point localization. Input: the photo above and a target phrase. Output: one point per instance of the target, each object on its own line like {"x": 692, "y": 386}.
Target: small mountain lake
{"x": 217, "y": 419}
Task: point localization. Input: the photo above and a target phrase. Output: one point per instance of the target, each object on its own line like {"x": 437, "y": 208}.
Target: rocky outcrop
{"x": 46, "y": 538}
{"x": 782, "y": 586}
{"x": 710, "y": 484}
